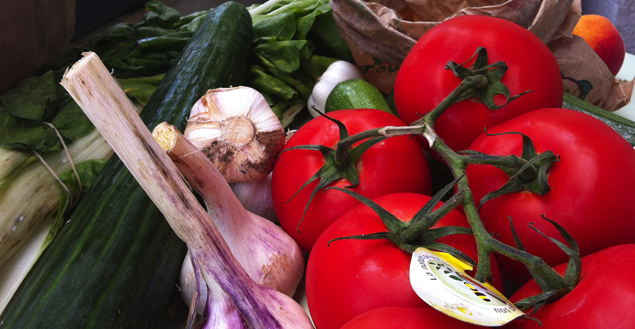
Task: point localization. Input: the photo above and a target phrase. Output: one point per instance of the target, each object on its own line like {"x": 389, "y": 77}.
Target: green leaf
{"x": 119, "y": 67}
{"x": 274, "y": 28}
{"x": 285, "y": 55}
{"x": 32, "y": 98}
{"x": 71, "y": 122}
{"x": 304, "y": 25}
{"x": 24, "y": 134}
{"x": 260, "y": 80}
{"x": 174, "y": 41}
{"x": 316, "y": 65}
{"x": 194, "y": 24}
{"x": 327, "y": 35}
{"x": 161, "y": 15}
{"x": 298, "y": 7}
{"x": 184, "y": 20}
{"x": 120, "y": 28}
{"x": 114, "y": 47}
{"x": 141, "y": 88}
{"x": 144, "y": 32}
{"x": 296, "y": 84}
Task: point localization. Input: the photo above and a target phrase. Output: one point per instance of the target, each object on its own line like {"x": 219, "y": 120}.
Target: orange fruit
{"x": 603, "y": 37}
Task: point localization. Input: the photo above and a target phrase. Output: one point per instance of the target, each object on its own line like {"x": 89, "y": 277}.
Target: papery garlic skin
{"x": 336, "y": 72}
{"x": 256, "y": 197}
{"x": 220, "y": 313}
{"x": 187, "y": 284}
{"x": 237, "y": 131}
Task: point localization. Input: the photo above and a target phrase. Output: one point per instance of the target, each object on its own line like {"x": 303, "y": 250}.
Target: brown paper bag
{"x": 382, "y": 32}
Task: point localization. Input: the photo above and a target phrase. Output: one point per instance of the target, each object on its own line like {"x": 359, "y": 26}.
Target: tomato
{"x": 422, "y": 82}
{"x": 592, "y": 186}
{"x": 397, "y": 164}
{"x": 604, "y": 297}
{"x": 350, "y": 277}
{"x": 406, "y": 318}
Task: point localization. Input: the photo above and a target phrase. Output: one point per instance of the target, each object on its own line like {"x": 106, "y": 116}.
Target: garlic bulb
{"x": 237, "y": 131}
{"x": 269, "y": 256}
{"x": 337, "y": 72}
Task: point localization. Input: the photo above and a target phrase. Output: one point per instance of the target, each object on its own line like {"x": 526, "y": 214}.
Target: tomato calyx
{"x": 571, "y": 276}
{"x": 482, "y": 81}
{"x": 493, "y": 72}
{"x": 417, "y": 232}
{"x": 529, "y": 172}
{"x": 339, "y": 162}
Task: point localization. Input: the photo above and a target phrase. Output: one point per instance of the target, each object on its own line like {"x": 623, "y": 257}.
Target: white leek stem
{"x": 263, "y": 7}
{"x": 106, "y": 105}
{"x": 15, "y": 268}
{"x": 31, "y": 196}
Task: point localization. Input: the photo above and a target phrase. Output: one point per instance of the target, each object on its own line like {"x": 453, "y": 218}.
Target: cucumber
{"x": 356, "y": 94}
{"x": 115, "y": 263}
{"x": 623, "y": 126}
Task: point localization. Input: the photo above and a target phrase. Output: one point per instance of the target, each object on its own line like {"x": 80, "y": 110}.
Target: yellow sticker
{"x": 440, "y": 280}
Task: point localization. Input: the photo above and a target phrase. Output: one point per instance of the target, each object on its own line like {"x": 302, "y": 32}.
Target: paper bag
{"x": 381, "y": 33}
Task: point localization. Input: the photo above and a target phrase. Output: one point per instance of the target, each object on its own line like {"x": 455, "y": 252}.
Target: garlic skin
{"x": 337, "y": 72}
{"x": 256, "y": 197}
{"x": 237, "y": 131}
{"x": 187, "y": 284}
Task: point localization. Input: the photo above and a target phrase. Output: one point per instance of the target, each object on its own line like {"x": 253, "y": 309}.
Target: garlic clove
{"x": 238, "y": 132}
{"x": 256, "y": 197}
{"x": 337, "y": 72}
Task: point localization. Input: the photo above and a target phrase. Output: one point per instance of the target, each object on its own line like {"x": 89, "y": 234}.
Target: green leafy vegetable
{"x": 285, "y": 55}
{"x": 32, "y": 99}
{"x": 141, "y": 88}
{"x": 161, "y": 15}
{"x": 138, "y": 55}
{"x": 87, "y": 172}
{"x": 261, "y": 81}
{"x": 24, "y": 134}
{"x": 294, "y": 42}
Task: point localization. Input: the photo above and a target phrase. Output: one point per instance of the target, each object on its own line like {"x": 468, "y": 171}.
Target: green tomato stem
{"x": 344, "y": 145}
{"x": 486, "y": 243}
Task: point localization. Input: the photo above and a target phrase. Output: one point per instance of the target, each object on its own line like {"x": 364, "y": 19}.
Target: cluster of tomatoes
{"x": 358, "y": 283}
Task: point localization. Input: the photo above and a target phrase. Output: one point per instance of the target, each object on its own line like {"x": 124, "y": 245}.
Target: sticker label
{"x": 440, "y": 280}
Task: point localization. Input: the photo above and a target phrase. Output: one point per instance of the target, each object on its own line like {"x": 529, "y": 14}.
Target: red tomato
{"x": 406, "y": 318}
{"x": 350, "y": 277}
{"x": 592, "y": 186}
{"x": 422, "y": 82}
{"x": 397, "y": 164}
{"x": 604, "y": 297}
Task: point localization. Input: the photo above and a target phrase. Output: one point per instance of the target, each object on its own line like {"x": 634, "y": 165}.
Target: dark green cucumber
{"x": 115, "y": 263}
{"x": 623, "y": 126}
